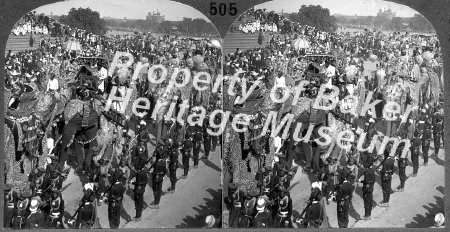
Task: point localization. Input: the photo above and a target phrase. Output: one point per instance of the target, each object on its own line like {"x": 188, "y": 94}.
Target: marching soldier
{"x": 21, "y": 211}
{"x": 123, "y": 167}
{"x": 438, "y": 131}
{"x": 216, "y": 139}
{"x": 115, "y": 196}
{"x": 263, "y": 217}
{"x": 197, "y": 141}
{"x": 52, "y": 166}
{"x": 186, "y": 150}
{"x": 207, "y": 138}
{"x": 236, "y": 197}
{"x": 248, "y": 211}
{"x": 173, "y": 164}
{"x": 410, "y": 129}
{"x": 283, "y": 218}
{"x": 10, "y": 206}
{"x": 314, "y": 215}
{"x": 415, "y": 152}
{"x": 343, "y": 197}
{"x": 86, "y": 215}
{"x": 367, "y": 189}
{"x": 36, "y": 179}
{"x": 422, "y": 121}
{"x": 159, "y": 171}
{"x": 35, "y": 219}
{"x": 386, "y": 179}
{"x": 331, "y": 176}
{"x": 426, "y": 141}
{"x": 141, "y": 153}
{"x": 349, "y": 173}
{"x": 268, "y": 182}
{"x": 402, "y": 163}
{"x": 139, "y": 189}
{"x": 56, "y": 210}
{"x": 102, "y": 177}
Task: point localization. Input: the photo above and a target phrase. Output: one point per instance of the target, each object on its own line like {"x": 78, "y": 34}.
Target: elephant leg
{"x": 90, "y": 134}
{"x": 69, "y": 131}
{"x": 88, "y": 159}
{"x": 159, "y": 128}
{"x": 307, "y": 148}
{"x": 80, "y": 153}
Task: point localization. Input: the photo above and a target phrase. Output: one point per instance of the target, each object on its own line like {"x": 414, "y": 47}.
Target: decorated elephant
{"x": 31, "y": 117}
{"x": 81, "y": 128}
{"x": 259, "y": 105}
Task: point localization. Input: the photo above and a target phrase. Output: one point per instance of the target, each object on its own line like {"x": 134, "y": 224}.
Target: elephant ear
{"x": 7, "y": 95}
{"x": 74, "y": 107}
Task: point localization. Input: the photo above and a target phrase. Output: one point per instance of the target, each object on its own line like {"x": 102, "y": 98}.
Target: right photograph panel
{"x": 336, "y": 117}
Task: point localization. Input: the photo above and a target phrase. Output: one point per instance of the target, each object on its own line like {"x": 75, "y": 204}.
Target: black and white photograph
{"x": 336, "y": 117}
{"x": 108, "y": 108}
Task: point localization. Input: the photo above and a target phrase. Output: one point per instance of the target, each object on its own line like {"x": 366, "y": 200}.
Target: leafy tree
{"x": 315, "y": 16}
{"x": 396, "y": 23}
{"x": 420, "y": 23}
{"x": 86, "y": 19}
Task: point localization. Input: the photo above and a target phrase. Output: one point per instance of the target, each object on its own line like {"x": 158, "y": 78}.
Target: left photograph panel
{"x": 110, "y": 117}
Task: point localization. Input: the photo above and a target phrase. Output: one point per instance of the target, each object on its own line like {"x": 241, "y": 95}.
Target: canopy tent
{"x": 72, "y": 46}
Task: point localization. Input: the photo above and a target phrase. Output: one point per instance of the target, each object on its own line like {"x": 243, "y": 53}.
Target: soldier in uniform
{"x": 102, "y": 177}
{"x": 237, "y": 197}
{"x": 35, "y": 220}
{"x": 123, "y": 167}
{"x": 207, "y": 138}
{"x": 21, "y": 210}
{"x": 197, "y": 142}
{"x": 86, "y": 214}
{"x": 283, "y": 218}
{"x": 314, "y": 215}
{"x": 349, "y": 173}
{"x": 186, "y": 150}
{"x": 422, "y": 121}
{"x": 159, "y": 171}
{"x": 386, "y": 179}
{"x": 10, "y": 205}
{"x": 173, "y": 164}
{"x": 115, "y": 196}
{"x": 367, "y": 189}
{"x": 402, "y": 163}
{"x": 438, "y": 131}
{"x": 248, "y": 211}
{"x": 268, "y": 182}
{"x": 410, "y": 129}
{"x": 141, "y": 153}
{"x": 52, "y": 166}
{"x": 415, "y": 152}
{"x": 343, "y": 197}
{"x": 36, "y": 178}
{"x": 331, "y": 176}
{"x": 139, "y": 189}
{"x": 56, "y": 210}
{"x": 263, "y": 217}
{"x": 426, "y": 141}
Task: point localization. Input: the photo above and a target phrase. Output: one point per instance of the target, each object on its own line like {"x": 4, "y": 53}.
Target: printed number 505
{"x": 221, "y": 9}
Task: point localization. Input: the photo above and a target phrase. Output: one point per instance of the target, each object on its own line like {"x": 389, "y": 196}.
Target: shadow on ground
{"x": 212, "y": 206}
{"x": 427, "y": 220}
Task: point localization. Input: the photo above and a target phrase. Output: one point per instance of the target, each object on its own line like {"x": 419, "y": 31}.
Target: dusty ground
{"x": 195, "y": 197}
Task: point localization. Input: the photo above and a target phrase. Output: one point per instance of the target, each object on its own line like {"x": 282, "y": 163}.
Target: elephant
{"x": 259, "y": 105}
{"x": 81, "y": 128}
{"x": 32, "y": 116}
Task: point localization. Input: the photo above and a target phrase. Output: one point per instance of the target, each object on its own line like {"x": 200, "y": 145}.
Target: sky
{"x": 131, "y": 9}
{"x": 345, "y": 7}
